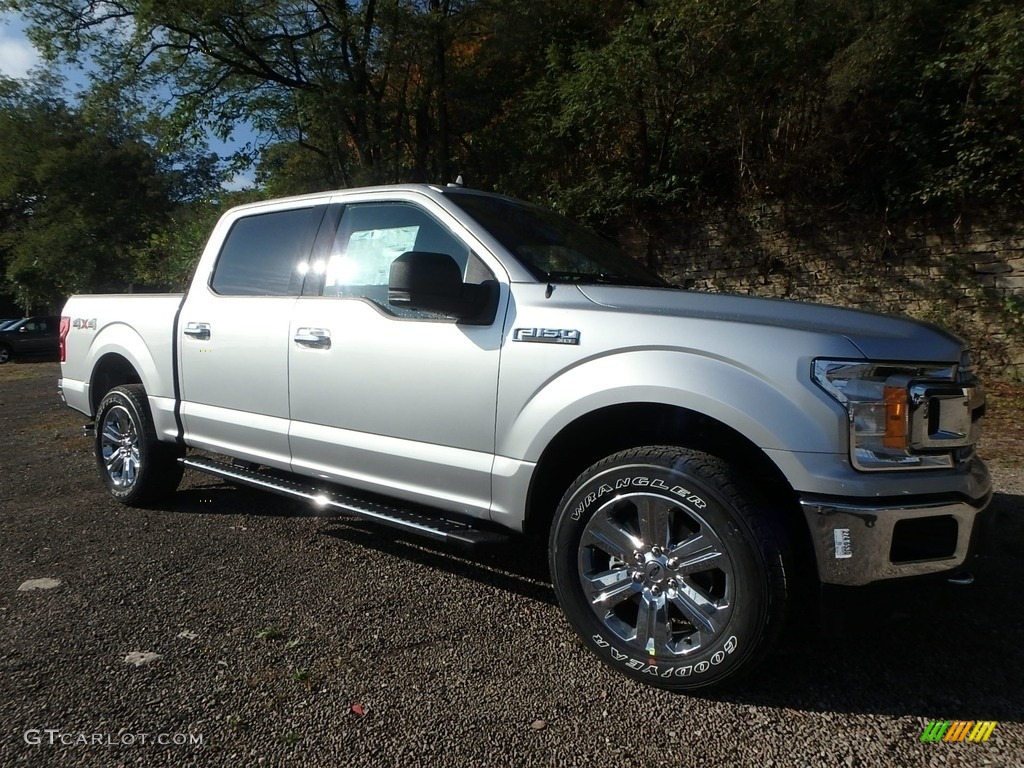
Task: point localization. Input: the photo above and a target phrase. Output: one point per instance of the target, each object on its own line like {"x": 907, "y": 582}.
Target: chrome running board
{"x": 331, "y": 503}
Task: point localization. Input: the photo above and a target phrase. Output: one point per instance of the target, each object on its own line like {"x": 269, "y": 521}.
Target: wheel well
{"x": 601, "y": 433}
{"x": 112, "y": 370}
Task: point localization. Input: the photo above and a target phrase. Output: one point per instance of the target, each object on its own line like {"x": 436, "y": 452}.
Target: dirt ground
{"x": 243, "y": 633}
{"x": 1003, "y": 437}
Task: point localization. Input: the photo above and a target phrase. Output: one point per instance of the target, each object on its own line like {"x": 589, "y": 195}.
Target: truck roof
{"x": 430, "y": 190}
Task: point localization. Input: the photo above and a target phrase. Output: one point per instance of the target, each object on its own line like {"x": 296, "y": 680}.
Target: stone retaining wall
{"x": 968, "y": 278}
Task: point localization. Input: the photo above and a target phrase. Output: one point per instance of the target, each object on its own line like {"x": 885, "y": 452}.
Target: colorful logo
{"x": 958, "y": 730}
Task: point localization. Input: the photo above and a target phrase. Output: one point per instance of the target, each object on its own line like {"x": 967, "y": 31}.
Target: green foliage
{"x": 81, "y": 194}
{"x": 1013, "y": 306}
{"x": 602, "y": 109}
{"x": 929, "y": 101}
{"x": 371, "y": 90}
{"x": 913, "y": 105}
{"x": 975, "y": 131}
{"x": 639, "y": 117}
{"x": 287, "y": 168}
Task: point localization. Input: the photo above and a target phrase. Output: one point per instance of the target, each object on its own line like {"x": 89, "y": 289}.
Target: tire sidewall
{"x": 117, "y": 398}
{"x": 726, "y": 653}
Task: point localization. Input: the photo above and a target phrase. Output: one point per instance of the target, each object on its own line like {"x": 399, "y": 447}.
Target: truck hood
{"x": 877, "y": 336}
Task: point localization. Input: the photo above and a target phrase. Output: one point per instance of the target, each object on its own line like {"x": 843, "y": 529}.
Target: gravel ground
{"x": 262, "y": 638}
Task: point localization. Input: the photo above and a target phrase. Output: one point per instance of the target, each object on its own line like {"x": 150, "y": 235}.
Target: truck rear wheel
{"x": 667, "y": 569}
{"x": 135, "y": 466}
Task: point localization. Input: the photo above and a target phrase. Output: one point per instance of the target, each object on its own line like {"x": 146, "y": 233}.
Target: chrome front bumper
{"x": 858, "y": 544}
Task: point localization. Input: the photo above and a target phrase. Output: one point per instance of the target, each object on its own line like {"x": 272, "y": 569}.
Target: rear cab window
{"x": 266, "y": 254}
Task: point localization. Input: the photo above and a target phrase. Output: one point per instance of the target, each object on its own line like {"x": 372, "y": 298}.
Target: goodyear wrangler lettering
{"x": 625, "y": 482}
{"x": 638, "y": 481}
{"x": 660, "y": 669}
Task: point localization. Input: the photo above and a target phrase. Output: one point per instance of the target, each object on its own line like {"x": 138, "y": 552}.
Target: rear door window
{"x": 266, "y": 254}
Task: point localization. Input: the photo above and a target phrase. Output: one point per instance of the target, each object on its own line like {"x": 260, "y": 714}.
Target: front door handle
{"x": 317, "y": 338}
{"x": 198, "y": 330}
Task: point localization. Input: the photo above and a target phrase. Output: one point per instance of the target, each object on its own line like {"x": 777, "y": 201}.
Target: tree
{"x": 374, "y": 90}
{"x": 604, "y": 109}
{"x": 81, "y": 192}
{"x": 932, "y": 93}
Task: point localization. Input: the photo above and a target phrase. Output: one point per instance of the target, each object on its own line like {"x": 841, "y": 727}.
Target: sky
{"x": 18, "y": 57}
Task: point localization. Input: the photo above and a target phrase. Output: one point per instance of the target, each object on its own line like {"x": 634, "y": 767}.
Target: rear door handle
{"x": 197, "y": 330}
{"x": 316, "y": 338}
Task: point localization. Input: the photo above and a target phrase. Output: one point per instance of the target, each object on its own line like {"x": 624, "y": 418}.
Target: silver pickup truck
{"x": 463, "y": 365}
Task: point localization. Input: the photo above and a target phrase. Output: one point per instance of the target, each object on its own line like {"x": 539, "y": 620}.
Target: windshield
{"x": 553, "y": 248}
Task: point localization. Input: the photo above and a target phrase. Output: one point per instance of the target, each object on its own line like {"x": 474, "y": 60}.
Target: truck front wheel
{"x": 667, "y": 568}
{"x": 135, "y": 466}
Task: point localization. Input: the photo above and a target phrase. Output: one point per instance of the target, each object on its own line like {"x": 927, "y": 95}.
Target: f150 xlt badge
{"x": 547, "y": 335}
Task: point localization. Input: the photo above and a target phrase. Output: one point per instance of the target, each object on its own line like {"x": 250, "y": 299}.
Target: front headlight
{"x": 878, "y": 400}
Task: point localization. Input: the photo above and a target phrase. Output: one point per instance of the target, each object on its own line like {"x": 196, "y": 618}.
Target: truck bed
{"x": 138, "y": 328}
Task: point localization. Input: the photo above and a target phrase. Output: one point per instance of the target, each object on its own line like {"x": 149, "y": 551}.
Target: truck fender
{"x": 721, "y": 389}
{"x": 118, "y": 338}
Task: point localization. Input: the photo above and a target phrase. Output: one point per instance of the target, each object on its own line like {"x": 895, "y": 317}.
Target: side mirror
{"x": 432, "y": 282}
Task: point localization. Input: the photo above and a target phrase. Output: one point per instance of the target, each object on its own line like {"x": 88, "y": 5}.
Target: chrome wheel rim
{"x": 656, "y": 575}
{"x": 119, "y": 447}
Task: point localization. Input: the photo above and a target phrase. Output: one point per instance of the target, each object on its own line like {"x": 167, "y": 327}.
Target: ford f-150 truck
{"x": 463, "y": 365}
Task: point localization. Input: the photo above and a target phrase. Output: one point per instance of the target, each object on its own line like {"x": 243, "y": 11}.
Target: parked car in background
{"x": 30, "y": 337}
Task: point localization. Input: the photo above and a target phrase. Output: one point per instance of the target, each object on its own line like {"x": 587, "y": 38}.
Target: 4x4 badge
{"x": 547, "y": 335}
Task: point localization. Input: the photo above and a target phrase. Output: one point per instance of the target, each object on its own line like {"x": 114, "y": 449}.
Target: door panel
{"x": 233, "y": 336}
{"x": 400, "y": 402}
{"x": 234, "y": 384}
{"x": 395, "y": 405}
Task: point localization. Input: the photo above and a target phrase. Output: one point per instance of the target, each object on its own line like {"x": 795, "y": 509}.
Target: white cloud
{"x": 17, "y": 56}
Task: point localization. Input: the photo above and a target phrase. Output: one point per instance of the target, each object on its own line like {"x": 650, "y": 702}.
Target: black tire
{"x": 137, "y": 468}
{"x": 668, "y": 570}
{"x": 5, "y": 354}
